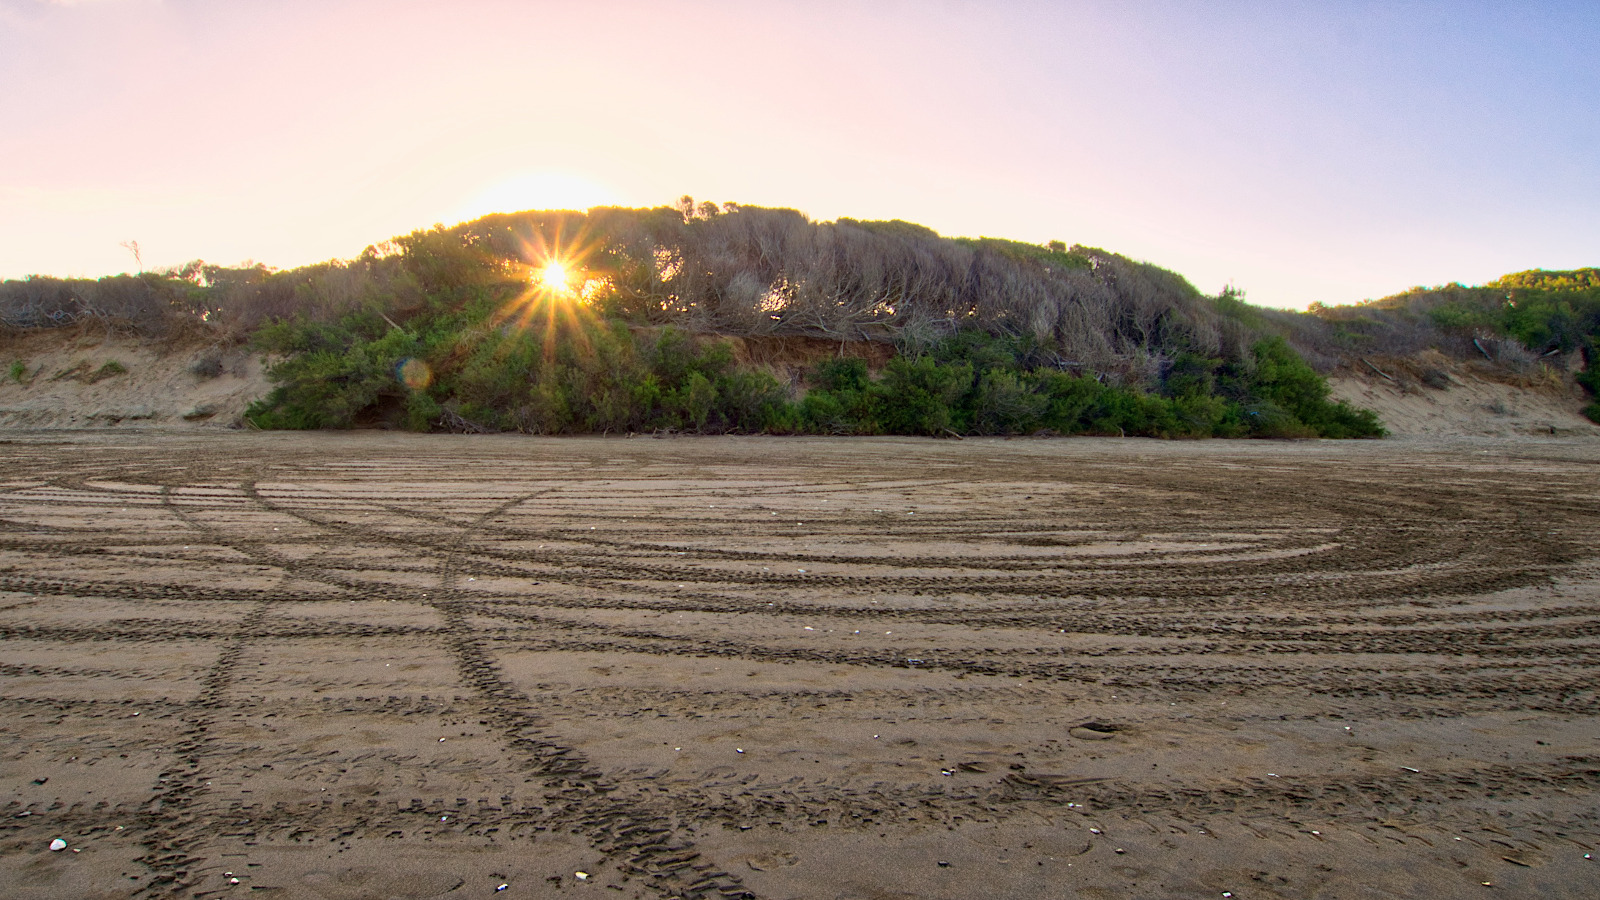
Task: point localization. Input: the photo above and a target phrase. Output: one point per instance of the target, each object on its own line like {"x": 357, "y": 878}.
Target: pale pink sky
{"x": 1330, "y": 152}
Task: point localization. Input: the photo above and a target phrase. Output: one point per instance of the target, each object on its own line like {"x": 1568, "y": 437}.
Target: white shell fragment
{"x": 58, "y": 845}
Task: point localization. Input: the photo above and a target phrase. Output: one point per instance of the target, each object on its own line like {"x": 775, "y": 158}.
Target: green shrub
{"x": 110, "y": 369}
{"x": 1068, "y": 399}
{"x": 322, "y": 389}
{"x": 1005, "y": 403}
{"x": 1131, "y": 413}
{"x": 917, "y": 396}
{"x": 747, "y": 401}
{"x": 1208, "y": 415}
{"x": 697, "y": 398}
{"x": 1291, "y": 394}
{"x": 849, "y": 374}
{"x": 422, "y": 412}
{"x": 1267, "y": 419}
{"x": 1464, "y": 319}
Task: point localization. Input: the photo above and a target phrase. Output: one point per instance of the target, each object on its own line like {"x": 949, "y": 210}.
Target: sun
{"x": 554, "y": 276}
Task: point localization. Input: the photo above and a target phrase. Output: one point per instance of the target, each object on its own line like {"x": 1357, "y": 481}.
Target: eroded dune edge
{"x": 95, "y": 378}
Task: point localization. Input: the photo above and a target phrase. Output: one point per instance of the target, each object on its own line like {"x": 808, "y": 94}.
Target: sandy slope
{"x": 1475, "y": 400}
{"x": 59, "y": 387}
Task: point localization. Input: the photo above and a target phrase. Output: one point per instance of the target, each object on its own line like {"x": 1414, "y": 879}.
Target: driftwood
{"x": 455, "y": 423}
{"x": 1378, "y": 370}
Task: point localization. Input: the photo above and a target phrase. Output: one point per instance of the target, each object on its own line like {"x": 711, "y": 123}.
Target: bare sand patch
{"x": 379, "y": 665}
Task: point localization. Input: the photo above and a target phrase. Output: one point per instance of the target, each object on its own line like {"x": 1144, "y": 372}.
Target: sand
{"x": 69, "y": 379}
{"x": 1467, "y": 398}
{"x": 392, "y": 666}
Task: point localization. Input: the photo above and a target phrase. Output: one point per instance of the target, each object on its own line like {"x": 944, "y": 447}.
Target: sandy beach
{"x": 376, "y": 665}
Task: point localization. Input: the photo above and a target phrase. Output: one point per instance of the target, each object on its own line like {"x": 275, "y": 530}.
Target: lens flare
{"x": 414, "y": 374}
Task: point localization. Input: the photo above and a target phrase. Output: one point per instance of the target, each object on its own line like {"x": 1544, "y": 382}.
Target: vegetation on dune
{"x": 995, "y": 337}
{"x": 602, "y": 376}
{"x": 979, "y": 384}
{"x": 1520, "y": 321}
{"x": 469, "y": 328}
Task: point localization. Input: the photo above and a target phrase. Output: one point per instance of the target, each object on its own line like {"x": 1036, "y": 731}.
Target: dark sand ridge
{"x": 377, "y": 665}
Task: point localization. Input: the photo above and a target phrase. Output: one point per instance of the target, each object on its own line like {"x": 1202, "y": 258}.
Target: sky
{"x": 1300, "y": 152}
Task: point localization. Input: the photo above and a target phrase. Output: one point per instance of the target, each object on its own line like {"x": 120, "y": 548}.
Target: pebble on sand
{"x": 58, "y": 845}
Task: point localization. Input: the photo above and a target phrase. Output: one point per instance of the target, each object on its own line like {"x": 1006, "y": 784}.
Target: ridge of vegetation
{"x": 461, "y": 328}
